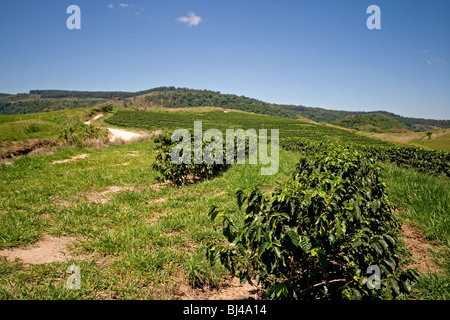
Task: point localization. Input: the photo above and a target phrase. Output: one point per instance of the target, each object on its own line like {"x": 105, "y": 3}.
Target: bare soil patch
{"x": 46, "y": 250}
{"x": 159, "y": 200}
{"x": 230, "y": 289}
{"x": 106, "y": 195}
{"x": 93, "y": 119}
{"x": 159, "y": 186}
{"x": 220, "y": 193}
{"x": 5, "y": 162}
{"x": 121, "y": 164}
{"x": 422, "y": 258}
{"x": 122, "y": 135}
{"x": 74, "y": 158}
{"x": 9, "y": 149}
{"x": 132, "y": 154}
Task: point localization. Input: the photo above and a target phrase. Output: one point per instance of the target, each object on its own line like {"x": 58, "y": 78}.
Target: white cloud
{"x": 431, "y": 58}
{"x": 435, "y": 60}
{"x": 191, "y": 19}
{"x": 138, "y": 13}
{"x": 126, "y": 5}
{"x": 110, "y": 6}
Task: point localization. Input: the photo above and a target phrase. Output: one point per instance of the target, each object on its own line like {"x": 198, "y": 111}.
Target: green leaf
{"x": 377, "y": 247}
{"x": 332, "y": 239}
{"x": 338, "y": 229}
{"x": 305, "y": 244}
{"x": 240, "y": 196}
{"x": 407, "y": 285}
{"x": 394, "y": 285}
{"x": 281, "y": 289}
{"x": 357, "y": 212}
{"x": 384, "y": 244}
{"x": 213, "y": 212}
{"x": 277, "y": 252}
{"x": 293, "y": 236}
{"x": 308, "y": 199}
{"x": 390, "y": 239}
{"x": 390, "y": 263}
{"x": 263, "y": 248}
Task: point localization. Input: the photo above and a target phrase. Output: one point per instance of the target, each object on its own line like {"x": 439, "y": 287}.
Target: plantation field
{"x": 135, "y": 237}
{"x": 222, "y": 120}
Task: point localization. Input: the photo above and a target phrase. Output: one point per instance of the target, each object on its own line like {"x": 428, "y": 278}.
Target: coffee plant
{"x": 182, "y": 173}
{"x": 316, "y": 236}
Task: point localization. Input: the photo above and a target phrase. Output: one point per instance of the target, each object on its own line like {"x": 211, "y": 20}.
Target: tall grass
{"x": 425, "y": 199}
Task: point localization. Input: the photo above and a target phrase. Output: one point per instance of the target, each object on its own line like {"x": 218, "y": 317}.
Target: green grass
{"x": 425, "y": 201}
{"x": 440, "y": 140}
{"x": 37, "y": 125}
{"x": 138, "y": 246}
{"x": 147, "y": 237}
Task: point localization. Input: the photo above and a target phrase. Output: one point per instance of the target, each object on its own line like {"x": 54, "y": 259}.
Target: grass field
{"x": 424, "y": 201}
{"x": 439, "y": 140}
{"x": 136, "y": 238}
{"x": 38, "y": 125}
{"x": 136, "y": 243}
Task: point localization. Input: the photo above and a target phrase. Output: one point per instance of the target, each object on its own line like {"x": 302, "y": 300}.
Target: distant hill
{"x": 372, "y": 122}
{"x": 334, "y": 116}
{"x": 172, "y": 97}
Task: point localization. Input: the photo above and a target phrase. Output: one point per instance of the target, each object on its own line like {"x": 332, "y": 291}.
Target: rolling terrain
{"x": 171, "y": 97}
{"x": 104, "y": 209}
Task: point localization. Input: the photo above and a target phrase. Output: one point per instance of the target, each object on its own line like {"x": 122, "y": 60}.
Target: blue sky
{"x": 313, "y": 53}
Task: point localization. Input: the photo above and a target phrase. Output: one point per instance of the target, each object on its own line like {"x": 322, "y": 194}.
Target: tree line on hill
{"x": 45, "y": 100}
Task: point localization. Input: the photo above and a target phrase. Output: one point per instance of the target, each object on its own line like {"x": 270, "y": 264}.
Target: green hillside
{"x": 219, "y": 119}
{"x": 172, "y": 97}
{"x": 374, "y": 122}
{"x": 25, "y": 104}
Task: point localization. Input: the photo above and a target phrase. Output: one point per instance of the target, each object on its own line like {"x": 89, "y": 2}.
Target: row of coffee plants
{"x": 424, "y": 160}
{"x": 218, "y": 119}
{"x": 428, "y": 161}
{"x": 328, "y": 233}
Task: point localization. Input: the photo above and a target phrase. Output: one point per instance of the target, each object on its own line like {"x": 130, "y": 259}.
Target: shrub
{"x": 181, "y": 173}
{"x": 106, "y": 108}
{"x": 77, "y": 133}
{"x": 33, "y": 128}
{"x": 316, "y": 236}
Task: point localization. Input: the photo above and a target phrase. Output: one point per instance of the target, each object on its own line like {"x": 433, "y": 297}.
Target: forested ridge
{"x": 173, "y": 97}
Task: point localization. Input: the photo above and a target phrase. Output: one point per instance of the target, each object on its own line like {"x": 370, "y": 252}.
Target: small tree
{"x": 106, "y": 108}
{"x": 429, "y": 133}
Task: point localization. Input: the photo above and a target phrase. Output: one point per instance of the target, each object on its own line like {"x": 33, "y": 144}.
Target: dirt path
{"x": 125, "y": 135}
{"x": 93, "y": 119}
{"x": 117, "y": 134}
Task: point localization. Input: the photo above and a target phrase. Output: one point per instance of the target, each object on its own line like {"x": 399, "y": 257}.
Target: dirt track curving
{"x": 117, "y": 134}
